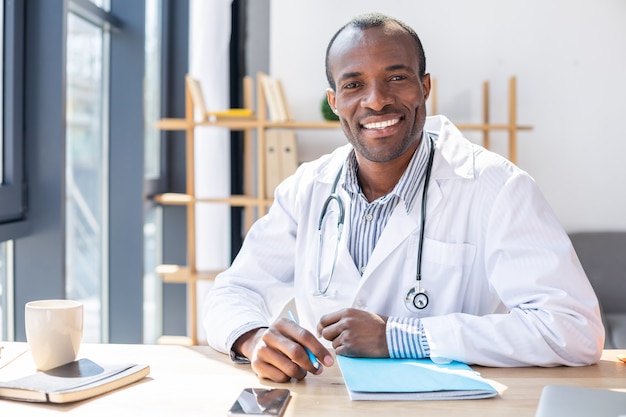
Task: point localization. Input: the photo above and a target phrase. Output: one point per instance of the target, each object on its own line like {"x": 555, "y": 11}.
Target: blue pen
{"x": 314, "y": 361}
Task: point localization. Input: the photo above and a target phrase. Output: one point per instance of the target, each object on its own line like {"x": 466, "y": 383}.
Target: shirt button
{"x": 369, "y": 217}
{"x": 362, "y": 269}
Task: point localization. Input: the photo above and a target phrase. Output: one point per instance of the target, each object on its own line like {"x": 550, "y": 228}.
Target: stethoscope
{"x": 416, "y": 298}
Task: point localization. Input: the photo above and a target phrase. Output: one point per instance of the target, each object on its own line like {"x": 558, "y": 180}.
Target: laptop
{"x": 568, "y": 401}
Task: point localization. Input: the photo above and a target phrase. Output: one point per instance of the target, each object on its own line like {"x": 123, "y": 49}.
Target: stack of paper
{"x": 411, "y": 379}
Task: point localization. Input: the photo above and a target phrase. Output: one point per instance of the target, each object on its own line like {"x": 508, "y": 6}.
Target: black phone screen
{"x": 260, "y": 402}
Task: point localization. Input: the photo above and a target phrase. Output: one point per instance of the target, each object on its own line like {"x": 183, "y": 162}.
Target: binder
{"x": 274, "y": 98}
{"x": 272, "y": 161}
{"x": 288, "y": 153}
{"x": 281, "y": 157}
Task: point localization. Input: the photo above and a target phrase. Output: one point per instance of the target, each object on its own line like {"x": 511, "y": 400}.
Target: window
{"x": 87, "y": 160}
{"x": 152, "y": 92}
{"x": 82, "y": 237}
{"x": 152, "y": 294}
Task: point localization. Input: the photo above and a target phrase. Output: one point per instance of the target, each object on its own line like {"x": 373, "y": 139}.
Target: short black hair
{"x": 370, "y": 20}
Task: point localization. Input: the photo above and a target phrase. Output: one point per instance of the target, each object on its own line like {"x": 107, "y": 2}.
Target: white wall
{"x": 569, "y": 57}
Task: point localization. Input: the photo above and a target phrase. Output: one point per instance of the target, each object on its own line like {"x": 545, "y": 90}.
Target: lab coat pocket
{"x": 445, "y": 273}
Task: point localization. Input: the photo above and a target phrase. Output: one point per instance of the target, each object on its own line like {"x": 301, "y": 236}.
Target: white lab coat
{"x": 505, "y": 285}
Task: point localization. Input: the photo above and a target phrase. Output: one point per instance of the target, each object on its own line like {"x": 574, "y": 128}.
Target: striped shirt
{"x": 405, "y": 336}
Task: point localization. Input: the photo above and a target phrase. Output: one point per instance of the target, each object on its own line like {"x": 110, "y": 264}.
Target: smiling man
{"x": 410, "y": 241}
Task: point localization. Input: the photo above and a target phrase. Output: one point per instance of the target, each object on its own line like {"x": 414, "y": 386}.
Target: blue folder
{"x": 411, "y": 379}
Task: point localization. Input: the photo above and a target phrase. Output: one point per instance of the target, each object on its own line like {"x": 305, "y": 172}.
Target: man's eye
{"x": 350, "y": 86}
{"x": 398, "y": 78}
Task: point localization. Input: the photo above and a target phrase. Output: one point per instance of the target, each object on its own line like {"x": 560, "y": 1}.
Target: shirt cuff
{"x": 406, "y": 338}
{"x": 234, "y": 356}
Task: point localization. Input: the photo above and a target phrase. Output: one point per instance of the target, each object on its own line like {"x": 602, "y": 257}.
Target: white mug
{"x": 54, "y": 330}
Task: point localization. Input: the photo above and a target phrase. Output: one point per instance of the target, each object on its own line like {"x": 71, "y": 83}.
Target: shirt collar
{"x": 409, "y": 184}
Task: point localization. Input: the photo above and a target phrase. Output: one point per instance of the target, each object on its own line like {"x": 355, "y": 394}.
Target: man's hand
{"x": 278, "y": 352}
{"x": 355, "y": 333}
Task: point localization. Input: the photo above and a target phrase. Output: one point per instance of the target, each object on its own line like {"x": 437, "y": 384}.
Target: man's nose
{"x": 377, "y": 96}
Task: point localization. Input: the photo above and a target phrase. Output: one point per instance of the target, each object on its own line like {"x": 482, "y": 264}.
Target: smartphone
{"x": 260, "y": 402}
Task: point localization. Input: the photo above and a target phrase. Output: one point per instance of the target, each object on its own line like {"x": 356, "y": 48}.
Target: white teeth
{"x": 381, "y": 125}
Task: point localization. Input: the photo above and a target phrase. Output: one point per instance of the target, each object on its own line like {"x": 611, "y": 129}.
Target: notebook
{"x": 74, "y": 381}
{"x": 567, "y": 401}
{"x": 411, "y": 379}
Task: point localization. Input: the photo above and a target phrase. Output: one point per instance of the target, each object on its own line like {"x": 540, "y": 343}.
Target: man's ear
{"x": 426, "y": 86}
{"x": 331, "y": 98}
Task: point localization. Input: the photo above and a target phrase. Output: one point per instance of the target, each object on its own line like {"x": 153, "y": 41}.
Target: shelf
{"x": 183, "y": 124}
{"x": 176, "y": 274}
{"x": 242, "y": 124}
{"x": 302, "y": 125}
{"x": 176, "y": 199}
{"x": 230, "y": 123}
{"x": 487, "y": 127}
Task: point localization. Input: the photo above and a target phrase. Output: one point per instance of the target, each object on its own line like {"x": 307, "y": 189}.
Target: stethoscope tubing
{"x": 334, "y": 196}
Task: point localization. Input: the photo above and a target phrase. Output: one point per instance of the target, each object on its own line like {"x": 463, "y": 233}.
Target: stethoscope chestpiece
{"x": 416, "y": 299}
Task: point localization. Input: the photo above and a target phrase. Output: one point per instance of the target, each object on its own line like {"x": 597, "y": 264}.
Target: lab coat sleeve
{"x": 553, "y": 317}
{"x": 239, "y": 300}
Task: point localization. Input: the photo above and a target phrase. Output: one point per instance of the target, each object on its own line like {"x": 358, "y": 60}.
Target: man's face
{"x": 380, "y": 95}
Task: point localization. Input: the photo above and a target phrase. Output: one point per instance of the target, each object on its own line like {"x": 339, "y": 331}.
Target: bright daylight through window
{"x": 86, "y": 171}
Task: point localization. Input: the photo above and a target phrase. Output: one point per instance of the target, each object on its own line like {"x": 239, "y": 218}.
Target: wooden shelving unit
{"x": 255, "y": 201}
{"x": 511, "y": 126}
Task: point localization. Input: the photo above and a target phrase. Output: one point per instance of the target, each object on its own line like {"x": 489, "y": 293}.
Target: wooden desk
{"x": 197, "y": 381}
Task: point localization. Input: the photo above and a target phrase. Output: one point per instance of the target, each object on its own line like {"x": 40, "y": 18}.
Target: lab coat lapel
{"x": 402, "y": 224}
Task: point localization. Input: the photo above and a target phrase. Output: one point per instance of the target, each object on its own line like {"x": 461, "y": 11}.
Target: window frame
{"x": 13, "y": 190}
